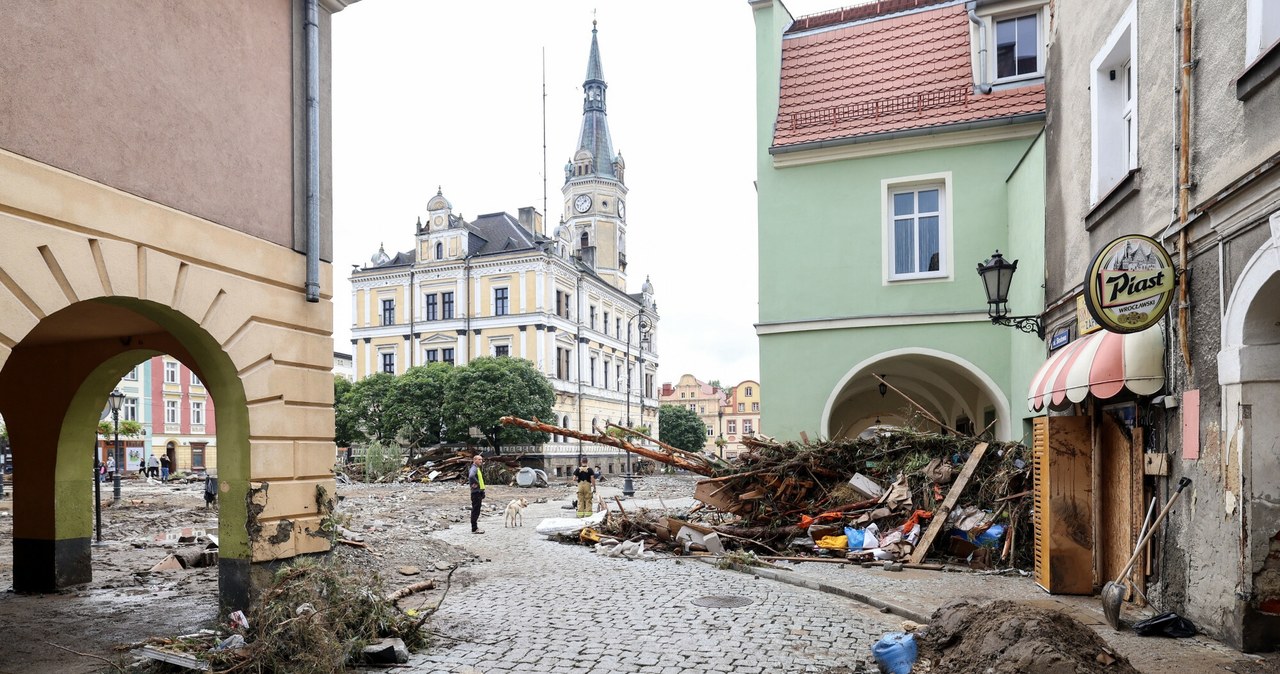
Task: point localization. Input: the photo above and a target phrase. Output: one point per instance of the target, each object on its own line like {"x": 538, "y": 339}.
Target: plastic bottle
{"x": 896, "y": 652}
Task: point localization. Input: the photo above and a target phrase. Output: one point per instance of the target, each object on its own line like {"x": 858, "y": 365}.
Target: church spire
{"x": 594, "y": 156}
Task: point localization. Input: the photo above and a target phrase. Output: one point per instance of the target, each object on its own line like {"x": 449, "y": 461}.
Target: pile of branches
{"x": 451, "y": 462}
{"x": 317, "y": 616}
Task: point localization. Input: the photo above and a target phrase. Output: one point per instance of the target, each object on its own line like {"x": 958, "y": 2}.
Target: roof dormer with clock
{"x": 594, "y": 194}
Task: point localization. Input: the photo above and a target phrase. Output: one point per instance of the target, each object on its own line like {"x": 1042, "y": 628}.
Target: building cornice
{"x": 911, "y": 140}
{"x": 871, "y": 321}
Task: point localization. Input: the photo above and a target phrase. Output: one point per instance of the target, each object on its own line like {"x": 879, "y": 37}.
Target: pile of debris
{"x": 1005, "y": 637}
{"x": 441, "y": 463}
{"x": 890, "y": 495}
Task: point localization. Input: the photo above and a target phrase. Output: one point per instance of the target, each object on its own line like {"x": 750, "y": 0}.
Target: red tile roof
{"x": 908, "y": 71}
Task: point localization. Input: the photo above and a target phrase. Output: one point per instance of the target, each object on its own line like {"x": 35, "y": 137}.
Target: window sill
{"x": 1126, "y": 188}
{"x": 1259, "y": 73}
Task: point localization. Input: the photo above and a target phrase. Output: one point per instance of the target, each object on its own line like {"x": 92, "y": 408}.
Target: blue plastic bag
{"x": 896, "y": 652}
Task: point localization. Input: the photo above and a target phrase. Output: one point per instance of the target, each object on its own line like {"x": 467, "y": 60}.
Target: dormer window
{"x": 585, "y": 241}
{"x": 1010, "y": 43}
{"x": 1017, "y": 46}
{"x": 439, "y": 251}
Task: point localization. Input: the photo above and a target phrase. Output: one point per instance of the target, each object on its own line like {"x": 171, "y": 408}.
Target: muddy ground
{"x": 80, "y": 629}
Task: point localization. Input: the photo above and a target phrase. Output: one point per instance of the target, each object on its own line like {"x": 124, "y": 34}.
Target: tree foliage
{"x": 345, "y": 431}
{"x": 681, "y": 427}
{"x": 417, "y": 403}
{"x": 368, "y": 408}
{"x": 487, "y": 389}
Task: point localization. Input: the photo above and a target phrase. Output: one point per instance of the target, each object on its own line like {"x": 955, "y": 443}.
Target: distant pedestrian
{"x": 586, "y": 485}
{"x": 475, "y": 478}
{"x": 599, "y": 473}
{"x": 111, "y": 467}
{"x": 164, "y": 467}
{"x": 153, "y": 466}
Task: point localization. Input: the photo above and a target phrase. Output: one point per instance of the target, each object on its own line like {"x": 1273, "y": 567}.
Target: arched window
{"x": 586, "y": 240}
{"x": 439, "y": 251}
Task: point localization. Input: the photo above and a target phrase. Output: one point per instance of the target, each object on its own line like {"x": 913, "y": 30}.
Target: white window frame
{"x": 1262, "y": 28}
{"x": 1013, "y": 11}
{"x": 129, "y": 411}
{"x": 382, "y": 360}
{"x": 171, "y": 414}
{"x": 195, "y": 381}
{"x": 197, "y": 412}
{"x": 170, "y": 372}
{"x": 1115, "y": 125}
{"x": 946, "y": 253}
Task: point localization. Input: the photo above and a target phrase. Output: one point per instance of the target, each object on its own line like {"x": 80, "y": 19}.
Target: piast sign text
{"x": 1130, "y": 284}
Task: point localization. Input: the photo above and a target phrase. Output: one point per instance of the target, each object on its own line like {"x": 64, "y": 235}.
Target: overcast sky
{"x": 449, "y": 94}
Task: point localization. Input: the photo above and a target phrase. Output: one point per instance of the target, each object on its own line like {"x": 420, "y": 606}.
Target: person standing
{"x": 153, "y": 467}
{"x": 475, "y": 478}
{"x": 111, "y": 468}
{"x": 586, "y": 485}
{"x": 164, "y": 467}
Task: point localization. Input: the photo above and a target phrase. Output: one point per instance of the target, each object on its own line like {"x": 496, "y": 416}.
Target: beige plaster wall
{"x": 189, "y": 104}
{"x": 69, "y": 240}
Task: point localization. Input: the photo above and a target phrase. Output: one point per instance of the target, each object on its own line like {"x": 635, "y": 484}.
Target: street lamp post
{"x": 997, "y": 274}
{"x": 628, "y": 488}
{"x": 115, "y": 399}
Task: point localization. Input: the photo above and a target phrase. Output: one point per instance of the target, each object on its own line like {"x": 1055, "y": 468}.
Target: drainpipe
{"x": 413, "y": 300}
{"x": 577, "y": 349}
{"x": 981, "y": 85}
{"x": 312, "y": 31}
{"x": 466, "y": 326}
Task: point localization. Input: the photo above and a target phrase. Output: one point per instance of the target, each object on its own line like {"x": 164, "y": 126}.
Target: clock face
{"x": 622, "y": 210}
{"x": 582, "y": 203}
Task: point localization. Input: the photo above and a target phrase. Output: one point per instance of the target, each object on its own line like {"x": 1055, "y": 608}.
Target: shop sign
{"x": 1130, "y": 284}
{"x": 1060, "y": 338}
{"x": 1084, "y": 322}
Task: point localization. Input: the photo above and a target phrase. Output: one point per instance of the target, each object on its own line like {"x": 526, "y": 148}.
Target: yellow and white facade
{"x": 499, "y": 285}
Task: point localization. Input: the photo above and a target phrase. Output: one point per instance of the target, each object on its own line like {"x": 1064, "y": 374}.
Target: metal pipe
{"x": 981, "y": 84}
{"x": 312, "y": 30}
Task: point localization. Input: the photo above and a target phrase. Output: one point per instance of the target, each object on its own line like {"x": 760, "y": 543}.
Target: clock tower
{"x": 595, "y": 210}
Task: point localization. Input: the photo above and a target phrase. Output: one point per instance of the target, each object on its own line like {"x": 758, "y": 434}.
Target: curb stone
{"x": 795, "y": 578}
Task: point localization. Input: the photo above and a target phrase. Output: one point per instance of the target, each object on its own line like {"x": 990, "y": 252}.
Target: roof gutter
{"x": 910, "y": 133}
{"x": 980, "y": 82}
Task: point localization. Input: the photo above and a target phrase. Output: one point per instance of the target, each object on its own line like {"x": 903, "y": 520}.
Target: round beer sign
{"x": 1130, "y": 284}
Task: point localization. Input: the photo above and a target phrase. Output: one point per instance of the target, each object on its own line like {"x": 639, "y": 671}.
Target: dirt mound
{"x": 1002, "y": 637}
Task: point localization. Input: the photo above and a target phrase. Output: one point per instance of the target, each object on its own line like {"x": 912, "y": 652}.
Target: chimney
{"x": 531, "y": 220}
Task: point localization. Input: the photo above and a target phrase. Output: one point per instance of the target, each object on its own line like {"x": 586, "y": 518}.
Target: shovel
{"x": 1113, "y": 592}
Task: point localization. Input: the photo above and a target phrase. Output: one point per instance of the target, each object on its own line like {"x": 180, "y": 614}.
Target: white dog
{"x": 515, "y": 514}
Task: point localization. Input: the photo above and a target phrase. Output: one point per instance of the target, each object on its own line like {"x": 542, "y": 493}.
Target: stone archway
{"x": 94, "y": 280}
{"x": 948, "y": 386}
{"x": 1249, "y": 374}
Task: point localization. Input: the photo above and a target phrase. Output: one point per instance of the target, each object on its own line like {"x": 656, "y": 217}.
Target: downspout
{"x": 1184, "y": 180}
{"x": 413, "y": 346}
{"x": 981, "y": 80}
{"x": 312, "y": 32}
{"x": 466, "y": 326}
{"x": 577, "y": 350}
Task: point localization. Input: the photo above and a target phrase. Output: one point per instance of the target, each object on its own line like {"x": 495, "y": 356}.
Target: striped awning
{"x": 1103, "y": 363}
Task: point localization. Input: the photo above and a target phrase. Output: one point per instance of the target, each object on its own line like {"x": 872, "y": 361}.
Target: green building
{"x": 897, "y": 150}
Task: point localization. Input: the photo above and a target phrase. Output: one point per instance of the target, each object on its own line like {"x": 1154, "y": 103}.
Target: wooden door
{"x": 1061, "y": 453}
{"x": 1120, "y": 503}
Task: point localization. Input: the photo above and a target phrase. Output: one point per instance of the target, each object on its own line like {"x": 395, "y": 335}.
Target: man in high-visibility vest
{"x": 475, "y": 477}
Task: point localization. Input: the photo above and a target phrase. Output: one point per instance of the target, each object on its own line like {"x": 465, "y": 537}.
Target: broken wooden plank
{"x": 403, "y": 592}
{"x": 940, "y": 515}
{"x": 173, "y": 658}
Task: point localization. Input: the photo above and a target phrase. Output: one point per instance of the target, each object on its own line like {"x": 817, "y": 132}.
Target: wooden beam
{"x": 940, "y": 515}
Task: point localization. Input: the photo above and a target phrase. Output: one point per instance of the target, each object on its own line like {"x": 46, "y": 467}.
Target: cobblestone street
{"x": 541, "y": 606}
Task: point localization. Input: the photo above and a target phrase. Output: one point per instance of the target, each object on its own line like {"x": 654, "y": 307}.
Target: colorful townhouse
{"x": 900, "y": 145}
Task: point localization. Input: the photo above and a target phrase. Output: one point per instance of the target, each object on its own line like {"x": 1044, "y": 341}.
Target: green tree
{"x": 344, "y": 425}
{"x": 487, "y": 389}
{"x": 681, "y": 427}
{"x": 368, "y": 408}
{"x": 417, "y": 403}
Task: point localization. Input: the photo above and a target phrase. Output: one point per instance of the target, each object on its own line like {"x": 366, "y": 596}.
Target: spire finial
{"x": 439, "y": 191}
{"x": 593, "y": 19}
